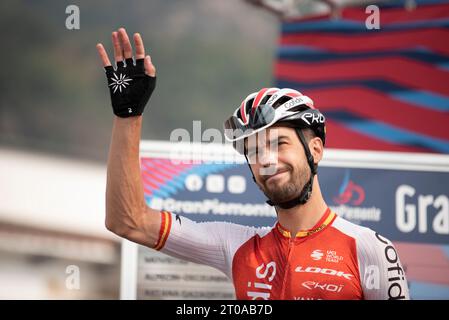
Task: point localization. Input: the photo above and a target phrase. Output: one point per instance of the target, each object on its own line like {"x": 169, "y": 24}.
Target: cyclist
{"x": 310, "y": 253}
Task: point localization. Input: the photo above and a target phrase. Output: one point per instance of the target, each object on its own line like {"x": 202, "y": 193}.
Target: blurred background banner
{"x": 380, "y": 89}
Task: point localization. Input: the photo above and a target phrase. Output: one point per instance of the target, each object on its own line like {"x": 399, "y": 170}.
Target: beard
{"x": 279, "y": 192}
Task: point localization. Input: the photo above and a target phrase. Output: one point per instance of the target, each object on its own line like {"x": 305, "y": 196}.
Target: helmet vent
{"x": 281, "y": 101}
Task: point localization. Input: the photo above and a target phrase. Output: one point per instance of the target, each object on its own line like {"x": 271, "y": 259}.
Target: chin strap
{"x": 306, "y": 191}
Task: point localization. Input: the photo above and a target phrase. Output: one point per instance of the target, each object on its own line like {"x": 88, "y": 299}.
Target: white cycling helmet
{"x": 270, "y": 106}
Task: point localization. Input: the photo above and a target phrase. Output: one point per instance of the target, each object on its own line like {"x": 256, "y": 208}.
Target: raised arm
{"x": 127, "y": 214}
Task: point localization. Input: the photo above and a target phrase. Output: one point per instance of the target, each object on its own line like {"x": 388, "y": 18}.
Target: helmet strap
{"x": 250, "y": 169}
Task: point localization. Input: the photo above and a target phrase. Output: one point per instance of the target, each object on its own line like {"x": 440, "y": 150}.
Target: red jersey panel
{"x": 277, "y": 266}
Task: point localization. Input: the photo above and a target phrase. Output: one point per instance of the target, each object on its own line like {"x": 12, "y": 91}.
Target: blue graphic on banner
{"x": 210, "y": 192}
{"x": 403, "y": 205}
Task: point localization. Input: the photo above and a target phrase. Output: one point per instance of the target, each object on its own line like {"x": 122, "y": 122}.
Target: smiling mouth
{"x": 277, "y": 174}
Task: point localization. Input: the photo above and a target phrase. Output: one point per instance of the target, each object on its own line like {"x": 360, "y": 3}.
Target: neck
{"x": 305, "y": 216}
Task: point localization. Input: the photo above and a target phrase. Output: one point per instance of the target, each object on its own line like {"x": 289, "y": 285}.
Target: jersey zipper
{"x": 291, "y": 243}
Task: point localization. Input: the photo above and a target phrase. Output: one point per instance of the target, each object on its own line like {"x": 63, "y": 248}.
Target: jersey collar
{"x": 324, "y": 221}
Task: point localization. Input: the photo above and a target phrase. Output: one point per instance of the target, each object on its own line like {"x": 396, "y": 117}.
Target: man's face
{"x": 278, "y": 162}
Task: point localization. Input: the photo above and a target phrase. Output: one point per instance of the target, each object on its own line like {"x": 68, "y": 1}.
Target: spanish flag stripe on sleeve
{"x": 164, "y": 231}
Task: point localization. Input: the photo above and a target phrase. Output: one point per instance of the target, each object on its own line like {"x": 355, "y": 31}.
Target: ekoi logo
{"x": 350, "y": 192}
{"x": 312, "y": 285}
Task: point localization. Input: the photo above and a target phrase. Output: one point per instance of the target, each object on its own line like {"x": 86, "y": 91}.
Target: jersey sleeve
{"x": 210, "y": 243}
{"x": 381, "y": 271}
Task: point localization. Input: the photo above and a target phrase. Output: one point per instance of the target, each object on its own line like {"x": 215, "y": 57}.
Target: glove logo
{"x": 119, "y": 82}
{"x": 133, "y": 96}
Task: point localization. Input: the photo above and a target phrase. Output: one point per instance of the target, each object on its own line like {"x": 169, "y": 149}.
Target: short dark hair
{"x": 309, "y": 134}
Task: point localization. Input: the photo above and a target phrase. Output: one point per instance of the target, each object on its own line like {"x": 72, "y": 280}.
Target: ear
{"x": 316, "y": 149}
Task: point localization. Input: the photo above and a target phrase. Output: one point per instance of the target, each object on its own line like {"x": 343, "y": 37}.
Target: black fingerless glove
{"x": 130, "y": 87}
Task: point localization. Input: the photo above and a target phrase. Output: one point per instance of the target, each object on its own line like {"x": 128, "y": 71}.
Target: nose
{"x": 266, "y": 158}
{"x": 267, "y": 161}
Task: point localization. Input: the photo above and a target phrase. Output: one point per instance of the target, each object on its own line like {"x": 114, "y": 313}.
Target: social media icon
{"x": 193, "y": 182}
{"x": 215, "y": 183}
{"x": 236, "y": 184}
